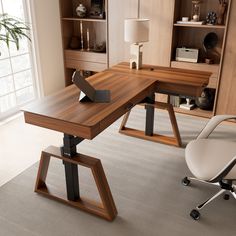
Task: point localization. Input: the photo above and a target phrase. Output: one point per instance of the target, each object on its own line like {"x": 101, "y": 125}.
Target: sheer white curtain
{"x": 17, "y": 74}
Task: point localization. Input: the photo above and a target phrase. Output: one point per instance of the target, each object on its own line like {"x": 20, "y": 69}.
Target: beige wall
{"x": 48, "y": 43}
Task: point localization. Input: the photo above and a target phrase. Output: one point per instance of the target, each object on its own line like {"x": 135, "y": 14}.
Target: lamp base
{"x": 136, "y": 56}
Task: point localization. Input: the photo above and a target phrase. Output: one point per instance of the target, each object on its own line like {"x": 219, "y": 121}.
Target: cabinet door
{"x": 226, "y": 102}
{"x": 161, "y": 13}
{"x": 118, "y": 11}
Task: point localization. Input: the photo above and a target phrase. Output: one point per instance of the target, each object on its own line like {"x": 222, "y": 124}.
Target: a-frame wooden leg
{"x": 104, "y": 190}
{"x": 106, "y": 209}
{"x": 176, "y": 140}
{"x": 42, "y": 171}
{"x": 124, "y": 121}
{"x": 174, "y": 124}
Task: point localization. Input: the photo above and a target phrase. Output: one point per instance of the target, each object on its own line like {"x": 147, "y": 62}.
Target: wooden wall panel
{"x": 226, "y": 102}
{"x": 118, "y": 11}
{"x": 160, "y": 14}
{"x": 158, "y": 50}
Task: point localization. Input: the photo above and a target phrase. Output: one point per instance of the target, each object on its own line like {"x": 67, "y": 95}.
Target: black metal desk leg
{"x": 150, "y": 115}
{"x": 71, "y": 170}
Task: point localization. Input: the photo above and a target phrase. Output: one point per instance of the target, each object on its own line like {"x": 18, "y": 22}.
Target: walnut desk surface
{"x": 78, "y": 121}
{"x": 64, "y": 113}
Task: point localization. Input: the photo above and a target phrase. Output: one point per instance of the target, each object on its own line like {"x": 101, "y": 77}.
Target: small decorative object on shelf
{"x": 211, "y": 18}
{"x": 188, "y": 105}
{"x": 221, "y": 12}
{"x": 185, "y": 19}
{"x": 81, "y": 11}
{"x": 187, "y": 54}
{"x": 196, "y": 10}
{"x": 206, "y": 100}
{"x": 101, "y": 47}
{"x": 81, "y": 36}
{"x": 190, "y": 22}
{"x": 97, "y": 9}
{"x": 209, "y": 43}
{"x": 88, "y": 40}
{"x": 74, "y": 43}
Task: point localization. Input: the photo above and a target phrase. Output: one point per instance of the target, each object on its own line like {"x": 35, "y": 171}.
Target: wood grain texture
{"x": 226, "y": 100}
{"x": 157, "y": 50}
{"x": 213, "y": 68}
{"x": 86, "y": 56}
{"x": 64, "y": 113}
{"x": 176, "y": 140}
{"x": 166, "y": 75}
{"x": 118, "y": 11}
{"x": 84, "y": 65}
{"x": 154, "y": 138}
{"x": 106, "y": 209}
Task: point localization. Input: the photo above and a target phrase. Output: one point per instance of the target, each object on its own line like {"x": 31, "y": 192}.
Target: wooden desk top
{"x": 64, "y": 113}
{"x": 170, "y": 80}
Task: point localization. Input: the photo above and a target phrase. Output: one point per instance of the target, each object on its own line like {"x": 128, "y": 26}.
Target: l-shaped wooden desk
{"x": 78, "y": 121}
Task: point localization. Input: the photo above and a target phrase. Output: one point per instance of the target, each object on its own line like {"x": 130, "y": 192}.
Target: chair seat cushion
{"x": 207, "y": 157}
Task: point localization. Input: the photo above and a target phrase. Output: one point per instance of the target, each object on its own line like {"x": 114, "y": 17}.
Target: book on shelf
{"x": 175, "y": 100}
{"x": 191, "y": 22}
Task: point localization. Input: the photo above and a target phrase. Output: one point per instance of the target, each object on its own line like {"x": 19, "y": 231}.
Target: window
{"x": 17, "y": 76}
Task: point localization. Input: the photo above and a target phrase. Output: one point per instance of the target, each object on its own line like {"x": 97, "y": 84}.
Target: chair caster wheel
{"x": 195, "y": 214}
{"x": 226, "y": 196}
{"x": 185, "y": 181}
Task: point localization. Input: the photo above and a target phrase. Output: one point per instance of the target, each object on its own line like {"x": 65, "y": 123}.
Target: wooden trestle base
{"x": 175, "y": 141}
{"x": 106, "y": 209}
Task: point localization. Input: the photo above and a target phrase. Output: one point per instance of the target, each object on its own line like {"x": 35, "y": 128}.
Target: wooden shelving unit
{"x": 192, "y": 36}
{"x": 88, "y": 57}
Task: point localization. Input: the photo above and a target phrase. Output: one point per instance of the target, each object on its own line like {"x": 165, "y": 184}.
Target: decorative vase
{"x": 206, "y": 100}
{"x": 81, "y": 11}
{"x": 196, "y": 10}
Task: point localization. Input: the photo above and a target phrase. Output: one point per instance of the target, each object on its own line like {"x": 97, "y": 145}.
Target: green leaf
{"x": 14, "y": 28}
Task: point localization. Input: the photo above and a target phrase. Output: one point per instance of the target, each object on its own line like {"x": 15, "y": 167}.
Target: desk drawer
{"x": 86, "y": 56}
{"x": 84, "y": 65}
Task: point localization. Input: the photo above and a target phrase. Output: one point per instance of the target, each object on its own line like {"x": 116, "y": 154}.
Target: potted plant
{"x": 12, "y": 30}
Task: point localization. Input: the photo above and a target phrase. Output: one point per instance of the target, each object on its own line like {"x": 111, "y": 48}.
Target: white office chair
{"x": 212, "y": 161}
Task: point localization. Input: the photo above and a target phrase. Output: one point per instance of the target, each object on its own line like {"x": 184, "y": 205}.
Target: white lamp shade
{"x": 136, "y": 30}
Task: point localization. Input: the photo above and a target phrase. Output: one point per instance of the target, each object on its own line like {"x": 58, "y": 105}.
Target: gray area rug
{"x": 145, "y": 179}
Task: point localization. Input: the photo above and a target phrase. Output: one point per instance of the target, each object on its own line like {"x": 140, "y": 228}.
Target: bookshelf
{"x": 85, "y": 40}
{"x": 192, "y": 36}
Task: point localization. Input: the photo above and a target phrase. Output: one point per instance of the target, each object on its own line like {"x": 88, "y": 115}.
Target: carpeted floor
{"x": 145, "y": 181}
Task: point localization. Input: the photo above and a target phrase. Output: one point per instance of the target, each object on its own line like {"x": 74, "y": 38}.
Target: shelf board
{"x": 83, "y": 19}
{"x": 195, "y": 112}
{"x": 83, "y": 51}
{"x": 201, "y": 26}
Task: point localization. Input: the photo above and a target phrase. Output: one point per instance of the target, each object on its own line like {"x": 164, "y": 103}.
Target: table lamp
{"x": 136, "y": 32}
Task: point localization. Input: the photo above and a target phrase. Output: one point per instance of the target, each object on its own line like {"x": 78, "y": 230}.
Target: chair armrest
{"x": 224, "y": 172}
{"x": 213, "y": 123}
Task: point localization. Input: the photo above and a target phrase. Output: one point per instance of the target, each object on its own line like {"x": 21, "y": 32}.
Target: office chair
{"x": 212, "y": 161}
